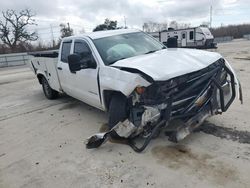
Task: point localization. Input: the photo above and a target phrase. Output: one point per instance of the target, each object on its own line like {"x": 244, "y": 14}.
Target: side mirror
{"x": 74, "y": 62}
{"x": 77, "y": 63}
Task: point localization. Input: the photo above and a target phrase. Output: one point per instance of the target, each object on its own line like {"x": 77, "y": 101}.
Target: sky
{"x": 86, "y": 14}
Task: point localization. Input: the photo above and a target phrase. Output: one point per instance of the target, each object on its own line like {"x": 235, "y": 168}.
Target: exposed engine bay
{"x": 177, "y": 106}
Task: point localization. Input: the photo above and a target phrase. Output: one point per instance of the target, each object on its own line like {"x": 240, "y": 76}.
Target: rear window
{"x": 65, "y": 51}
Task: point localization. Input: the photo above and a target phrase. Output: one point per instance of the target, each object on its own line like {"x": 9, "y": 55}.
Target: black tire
{"x": 48, "y": 91}
{"x": 117, "y": 111}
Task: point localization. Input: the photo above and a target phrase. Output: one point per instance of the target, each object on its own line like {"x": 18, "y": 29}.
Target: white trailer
{"x": 197, "y": 37}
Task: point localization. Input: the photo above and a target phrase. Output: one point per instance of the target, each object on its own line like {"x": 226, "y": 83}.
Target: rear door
{"x": 183, "y": 38}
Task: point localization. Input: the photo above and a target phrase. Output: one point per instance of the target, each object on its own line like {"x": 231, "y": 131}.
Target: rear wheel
{"x": 117, "y": 111}
{"x": 48, "y": 91}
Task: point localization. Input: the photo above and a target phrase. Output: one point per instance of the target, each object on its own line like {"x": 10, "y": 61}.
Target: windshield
{"x": 127, "y": 45}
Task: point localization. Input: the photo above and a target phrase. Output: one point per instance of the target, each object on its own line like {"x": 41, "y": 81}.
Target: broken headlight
{"x": 223, "y": 77}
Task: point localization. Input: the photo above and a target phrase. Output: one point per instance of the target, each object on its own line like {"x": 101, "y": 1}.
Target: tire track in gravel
{"x": 14, "y": 81}
{"x": 28, "y": 112}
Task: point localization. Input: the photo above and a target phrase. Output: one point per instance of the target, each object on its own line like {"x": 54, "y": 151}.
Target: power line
{"x": 211, "y": 9}
{"x": 233, "y": 8}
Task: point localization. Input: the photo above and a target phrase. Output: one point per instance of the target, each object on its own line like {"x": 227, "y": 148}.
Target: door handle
{"x": 59, "y": 68}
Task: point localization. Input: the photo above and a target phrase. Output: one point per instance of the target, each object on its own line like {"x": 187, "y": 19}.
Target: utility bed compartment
{"x": 45, "y": 63}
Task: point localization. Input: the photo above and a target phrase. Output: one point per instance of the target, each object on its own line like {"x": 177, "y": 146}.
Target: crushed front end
{"x": 179, "y": 105}
{"x": 184, "y": 102}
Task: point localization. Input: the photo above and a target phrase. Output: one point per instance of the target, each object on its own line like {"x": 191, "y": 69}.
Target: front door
{"x": 81, "y": 84}
{"x": 184, "y": 39}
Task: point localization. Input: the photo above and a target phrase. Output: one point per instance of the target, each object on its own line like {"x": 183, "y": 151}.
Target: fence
{"x": 14, "y": 59}
{"x": 246, "y": 37}
{"x": 223, "y": 39}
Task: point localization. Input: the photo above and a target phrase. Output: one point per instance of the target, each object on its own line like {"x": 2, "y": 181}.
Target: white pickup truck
{"x": 142, "y": 84}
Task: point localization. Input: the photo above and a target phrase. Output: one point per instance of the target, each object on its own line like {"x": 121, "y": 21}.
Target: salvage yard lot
{"x": 42, "y": 141}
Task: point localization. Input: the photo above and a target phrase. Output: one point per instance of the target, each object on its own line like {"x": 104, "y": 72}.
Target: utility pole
{"x": 211, "y": 14}
{"x": 125, "y": 22}
{"x": 52, "y": 36}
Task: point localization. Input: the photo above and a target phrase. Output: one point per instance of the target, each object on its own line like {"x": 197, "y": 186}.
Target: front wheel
{"x": 48, "y": 91}
{"x": 117, "y": 111}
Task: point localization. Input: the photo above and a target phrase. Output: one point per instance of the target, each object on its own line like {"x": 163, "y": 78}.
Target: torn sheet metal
{"x": 97, "y": 140}
{"x": 151, "y": 115}
{"x": 123, "y": 129}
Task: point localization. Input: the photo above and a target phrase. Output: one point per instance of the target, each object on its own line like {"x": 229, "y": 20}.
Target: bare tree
{"x": 205, "y": 24}
{"x": 173, "y": 24}
{"x": 151, "y": 26}
{"x": 236, "y": 31}
{"x": 82, "y": 31}
{"x": 183, "y": 25}
{"x": 13, "y": 27}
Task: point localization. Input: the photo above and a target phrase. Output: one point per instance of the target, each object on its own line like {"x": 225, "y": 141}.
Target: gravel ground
{"x": 41, "y": 141}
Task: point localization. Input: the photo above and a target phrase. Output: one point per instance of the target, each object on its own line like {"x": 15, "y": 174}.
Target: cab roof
{"x": 106, "y": 33}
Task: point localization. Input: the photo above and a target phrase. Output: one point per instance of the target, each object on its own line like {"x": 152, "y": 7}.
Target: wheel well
{"x": 40, "y": 77}
{"x": 107, "y": 96}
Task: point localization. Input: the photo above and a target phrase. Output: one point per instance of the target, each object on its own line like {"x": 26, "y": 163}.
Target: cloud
{"x": 89, "y": 13}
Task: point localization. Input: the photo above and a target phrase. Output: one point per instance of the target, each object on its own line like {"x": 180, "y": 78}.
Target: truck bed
{"x": 45, "y": 63}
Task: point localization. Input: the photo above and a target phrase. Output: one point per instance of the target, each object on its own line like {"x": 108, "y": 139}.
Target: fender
{"x": 114, "y": 79}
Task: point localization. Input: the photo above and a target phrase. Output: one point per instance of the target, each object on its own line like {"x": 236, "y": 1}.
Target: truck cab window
{"x": 81, "y": 48}
{"x": 65, "y": 51}
{"x": 191, "y": 35}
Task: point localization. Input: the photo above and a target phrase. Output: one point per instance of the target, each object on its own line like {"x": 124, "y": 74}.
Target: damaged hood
{"x": 169, "y": 63}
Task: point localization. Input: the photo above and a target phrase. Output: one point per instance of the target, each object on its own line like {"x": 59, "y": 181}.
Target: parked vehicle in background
{"x": 142, "y": 85}
{"x": 197, "y": 37}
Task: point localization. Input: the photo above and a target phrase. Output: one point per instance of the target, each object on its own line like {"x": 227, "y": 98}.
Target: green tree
{"x": 107, "y": 25}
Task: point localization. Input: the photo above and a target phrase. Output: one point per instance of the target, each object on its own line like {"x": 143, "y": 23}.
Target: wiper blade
{"x": 151, "y": 51}
{"x": 112, "y": 62}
